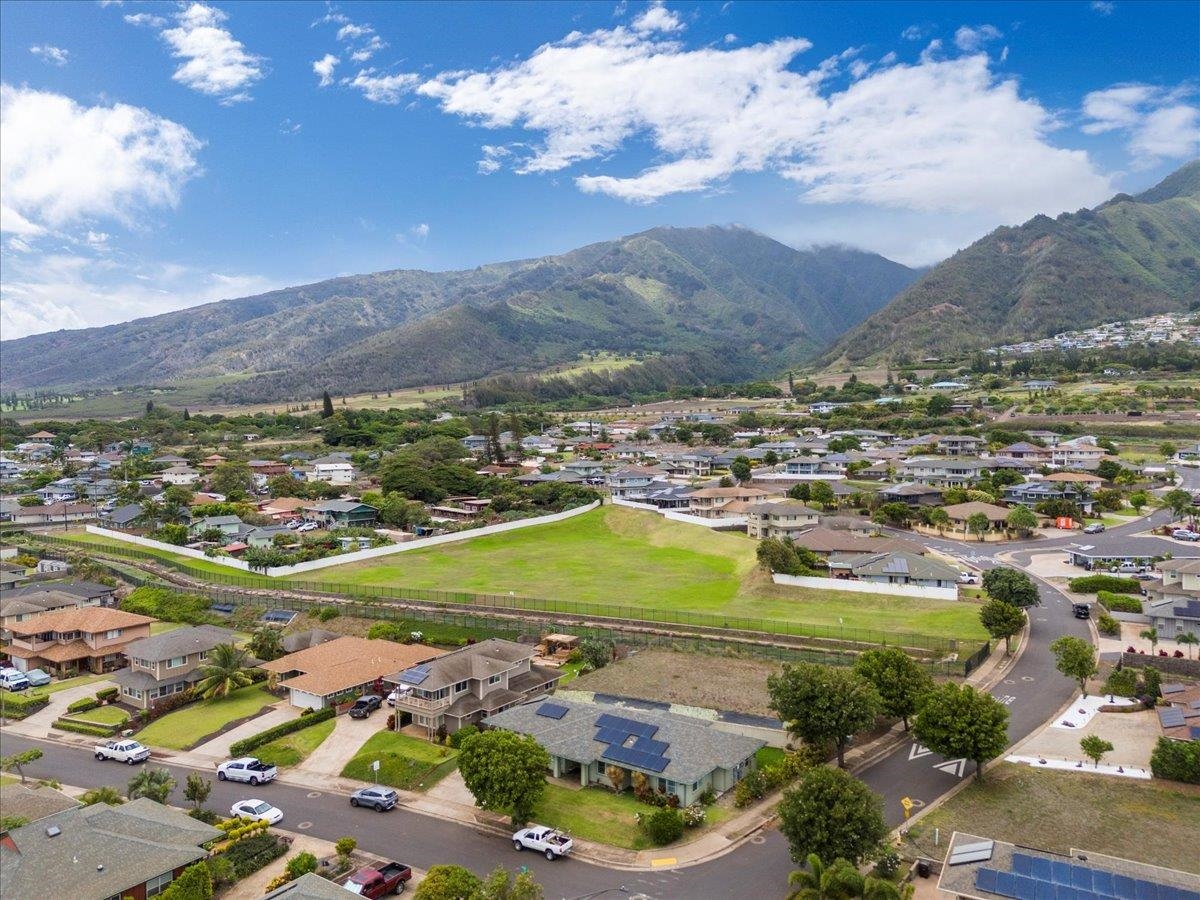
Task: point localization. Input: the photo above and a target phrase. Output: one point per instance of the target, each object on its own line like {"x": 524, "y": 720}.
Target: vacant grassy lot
{"x": 295, "y": 747}
{"x": 1152, "y": 821}
{"x": 187, "y": 727}
{"x": 405, "y": 762}
{"x": 729, "y": 682}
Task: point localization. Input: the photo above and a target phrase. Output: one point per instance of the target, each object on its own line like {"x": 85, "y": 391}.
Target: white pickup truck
{"x": 122, "y": 751}
{"x": 543, "y": 840}
{"x": 246, "y": 769}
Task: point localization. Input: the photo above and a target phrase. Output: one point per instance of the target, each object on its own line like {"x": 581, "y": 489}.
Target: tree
{"x": 1075, "y": 658}
{"x": 1176, "y": 760}
{"x": 1002, "y": 620}
{"x": 740, "y": 469}
{"x": 895, "y": 513}
{"x": 326, "y": 405}
{"x": 1012, "y": 586}
{"x": 505, "y": 772}
{"x": 1094, "y": 747}
{"x": 897, "y": 677}
{"x": 1178, "y": 501}
{"x": 1108, "y": 469}
{"x": 1021, "y": 520}
{"x": 820, "y": 882}
{"x": 811, "y": 830}
{"x": 194, "y": 883}
{"x": 108, "y": 795}
{"x": 1166, "y": 449}
{"x": 1151, "y": 635}
{"x": 822, "y": 705}
{"x": 448, "y": 883}
{"x": 225, "y": 672}
{"x": 18, "y": 761}
{"x": 266, "y": 643}
{"x": 155, "y": 784}
{"x": 821, "y": 493}
{"x": 233, "y": 479}
{"x": 301, "y": 864}
{"x": 596, "y": 652}
{"x": 1138, "y": 499}
{"x": 1189, "y": 640}
{"x": 500, "y": 885}
{"x": 939, "y": 518}
{"x": 959, "y": 722}
{"x": 197, "y": 790}
{"x": 939, "y": 405}
{"x": 345, "y": 846}
{"x": 978, "y": 524}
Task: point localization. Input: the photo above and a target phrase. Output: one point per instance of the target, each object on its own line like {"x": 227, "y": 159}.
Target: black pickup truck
{"x": 365, "y": 705}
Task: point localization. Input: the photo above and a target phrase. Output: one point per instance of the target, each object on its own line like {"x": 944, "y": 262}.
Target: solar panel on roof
{"x": 1022, "y": 863}
{"x": 1041, "y": 889}
{"x": 1170, "y": 717}
{"x": 552, "y": 710}
{"x": 1041, "y": 868}
{"x": 985, "y": 880}
{"x": 1081, "y": 877}
{"x": 629, "y": 726}
{"x": 415, "y": 675}
{"x": 963, "y": 856}
{"x": 1060, "y": 872}
{"x": 1006, "y": 884}
{"x": 651, "y": 746}
{"x": 1145, "y": 890}
{"x": 1102, "y": 883}
{"x": 1124, "y": 886}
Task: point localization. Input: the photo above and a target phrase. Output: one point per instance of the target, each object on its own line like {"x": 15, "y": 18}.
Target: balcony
{"x": 408, "y": 701}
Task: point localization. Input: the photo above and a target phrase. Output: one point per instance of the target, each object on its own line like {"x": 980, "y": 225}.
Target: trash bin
{"x": 923, "y": 868}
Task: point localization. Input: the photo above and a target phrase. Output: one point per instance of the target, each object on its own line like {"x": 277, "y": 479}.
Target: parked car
{"x": 307, "y": 526}
{"x": 292, "y": 524}
{"x": 546, "y": 841}
{"x": 257, "y": 809}
{"x": 38, "y": 678}
{"x": 1094, "y": 528}
{"x": 1185, "y": 534}
{"x": 1081, "y": 610}
{"x": 379, "y": 799}
{"x": 1128, "y": 568}
{"x": 390, "y": 879}
{"x": 365, "y": 705}
{"x": 391, "y": 698}
{"x": 246, "y": 769}
{"x": 968, "y": 578}
{"x": 129, "y": 752}
{"x": 13, "y": 680}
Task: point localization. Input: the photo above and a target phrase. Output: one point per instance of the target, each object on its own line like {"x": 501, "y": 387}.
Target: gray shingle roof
{"x": 477, "y": 661}
{"x": 180, "y": 642}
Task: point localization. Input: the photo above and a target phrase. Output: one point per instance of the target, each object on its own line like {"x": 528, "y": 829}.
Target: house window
{"x": 176, "y": 661}
{"x": 112, "y": 634}
{"x": 495, "y": 679}
{"x": 158, "y": 884}
{"x": 460, "y": 687}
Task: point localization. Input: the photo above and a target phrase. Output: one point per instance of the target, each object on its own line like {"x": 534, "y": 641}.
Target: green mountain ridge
{"x": 1128, "y": 257}
{"x": 758, "y": 303}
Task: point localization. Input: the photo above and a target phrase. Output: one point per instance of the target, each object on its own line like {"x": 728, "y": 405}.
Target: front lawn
{"x": 295, "y": 747}
{"x": 185, "y": 728}
{"x": 103, "y": 715}
{"x": 55, "y": 686}
{"x": 405, "y": 762}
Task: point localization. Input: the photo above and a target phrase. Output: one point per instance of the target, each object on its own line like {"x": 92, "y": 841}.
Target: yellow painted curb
{"x": 669, "y": 861}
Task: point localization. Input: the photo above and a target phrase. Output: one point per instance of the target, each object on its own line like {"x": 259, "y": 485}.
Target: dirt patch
{"x": 689, "y": 679}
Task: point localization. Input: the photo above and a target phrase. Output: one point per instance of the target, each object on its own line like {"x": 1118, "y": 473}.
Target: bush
{"x": 301, "y": 864}
{"x": 1151, "y": 683}
{"x": 1176, "y": 760}
{"x": 663, "y": 826}
{"x": 1108, "y": 626}
{"x": 461, "y": 735}
{"x": 17, "y": 706}
{"x": 207, "y": 816}
{"x": 345, "y": 845}
{"x": 1092, "y": 584}
{"x": 171, "y": 606}
{"x": 708, "y": 798}
{"x": 888, "y": 864}
{"x": 106, "y": 694}
{"x": 1121, "y": 683}
{"x": 752, "y": 787}
{"x": 1119, "y": 602}
{"x": 85, "y": 728}
{"x": 596, "y": 652}
{"x": 250, "y": 855}
{"x": 694, "y": 815}
{"x": 243, "y": 747}
{"x": 328, "y": 612}
{"x": 83, "y": 704}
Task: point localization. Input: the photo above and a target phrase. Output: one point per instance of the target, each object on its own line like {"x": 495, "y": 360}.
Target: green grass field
{"x": 405, "y": 762}
{"x": 103, "y": 715}
{"x": 190, "y": 725}
{"x": 295, "y": 747}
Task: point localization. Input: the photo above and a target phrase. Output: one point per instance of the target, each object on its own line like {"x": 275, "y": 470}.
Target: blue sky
{"x": 159, "y": 155}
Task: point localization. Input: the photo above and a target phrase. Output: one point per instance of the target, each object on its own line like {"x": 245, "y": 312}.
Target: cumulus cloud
{"x": 56, "y": 56}
{"x": 1158, "y": 123}
{"x": 941, "y": 134}
{"x": 657, "y": 18}
{"x": 380, "y": 88}
{"x": 215, "y": 63}
{"x": 420, "y": 231}
{"x": 492, "y": 158}
{"x": 970, "y": 39}
{"x": 323, "y": 68}
{"x": 148, "y": 20}
{"x": 915, "y": 33}
{"x": 368, "y": 49}
{"x": 350, "y": 31}
{"x": 63, "y": 164}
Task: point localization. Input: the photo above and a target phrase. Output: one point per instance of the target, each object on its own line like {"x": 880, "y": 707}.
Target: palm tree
{"x": 1150, "y": 634}
{"x": 155, "y": 784}
{"x": 266, "y": 643}
{"x": 225, "y": 672}
{"x": 1189, "y": 640}
{"x": 839, "y": 881}
{"x": 109, "y": 795}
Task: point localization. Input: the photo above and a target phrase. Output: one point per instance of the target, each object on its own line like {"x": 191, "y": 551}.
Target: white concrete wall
{"x": 678, "y": 516}
{"x": 867, "y": 587}
{"x": 170, "y": 548}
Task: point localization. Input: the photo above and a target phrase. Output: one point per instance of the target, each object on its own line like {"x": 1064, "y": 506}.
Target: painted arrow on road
{"x": 917, "y": 751}
{"x": 952, "y": 767}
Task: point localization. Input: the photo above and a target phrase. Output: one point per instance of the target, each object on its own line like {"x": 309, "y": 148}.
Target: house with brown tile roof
{"x": 317, "y": 674}
{"x": 959, "y": 513}
{"x": 65, "y": 641}
{"x": 712, "y": 503}
{"x": 824, "y": 541}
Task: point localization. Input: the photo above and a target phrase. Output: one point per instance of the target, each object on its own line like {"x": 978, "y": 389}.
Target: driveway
{"x": 335, "y": 751}
{"x": 38, "y": 724}
{"x": 217, "y": 750}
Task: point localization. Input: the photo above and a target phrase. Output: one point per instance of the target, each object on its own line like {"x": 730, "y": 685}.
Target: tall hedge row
{"x": 242, "y": 747}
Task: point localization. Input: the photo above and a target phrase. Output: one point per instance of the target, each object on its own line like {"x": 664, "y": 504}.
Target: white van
{"x": 13, "y": 680}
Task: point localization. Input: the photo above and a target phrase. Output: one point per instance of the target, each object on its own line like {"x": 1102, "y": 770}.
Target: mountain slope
{"x": 668, "y": 290}
{"x": 1129, "y": 257}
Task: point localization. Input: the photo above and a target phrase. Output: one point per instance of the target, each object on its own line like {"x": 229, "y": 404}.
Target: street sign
{"x": 375, "y": 766}
{"x": 908, "y": 806}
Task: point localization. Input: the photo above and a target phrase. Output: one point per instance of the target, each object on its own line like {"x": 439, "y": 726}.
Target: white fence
{"x": 868, "y": 587}
{"x": 733, "y": 522}
{"x": 344, "y": 558}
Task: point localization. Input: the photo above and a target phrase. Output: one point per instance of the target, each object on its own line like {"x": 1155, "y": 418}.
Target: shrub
{"x": 301, "y": 864}
{"x": 694, "y": 815}
{"x": 752, "y": 787}
{"x": 83, "y": 704}
{"x": 1119, "y": 602}
{"x": 328, "y": 612}
{"x": 1151, "y": 682}
{"x": 244, "y": 746}
{"x": 1108, "y": 626}
{"x": 1091, "y": 584}
{"x": 461, "y": 735}
{"x": 207, "y": 816}
{"x": 85, "y": 728}
{"x": 345, "y": 845}
{"x": 708, "y": 798}
{"x": 1176, "y": 760}
{"x": 106, "y": 694}
{"x": 596, "y": 652}
{"x": 170, "y": 605}
{"x": 888, "y": 863}
{"x": 17, "y": 706}
{"x": 663, "y": 826}
{"x": 1121, "y": 683}
{"x": 248, "y": 856}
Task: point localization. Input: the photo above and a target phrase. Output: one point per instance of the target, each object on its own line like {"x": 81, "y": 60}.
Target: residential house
{"x": 1100, "y": 551}
{"x": 896, "y": 567}
{"x": 331, "y": 469}
{"x": 779, "y": 519}
{"x": 229, "y": 526}
{"x": 1173, "y": 604}
{"x": 1026, "y": 451}
{"x": 723, "y": 502}
{"x": 1049, "y": 438}
{"x": 31, "y": 802}
{"x": 825, "y": 542}
{"x": 960, "y": 513}
{"x": 469, "y": 685}
{"x": 949, "y": 386}
{"x": 1085, "y": 480}
{"x": 122, "y": 517}
{"x": 211, "y": 462}
{"x": 63, "y": 490}
{"x": 185, "y": 476}
{"x": 91, "y": 639}
{"x": 11, "y": 580}
{"x": 912, "y": 494}
{"x": 54, "y": 514}
{"x": 669, "y": 496}
{"x": 22, "y": 604}
{"x": 948, "y": 471}
{"x": 168, "y": 663}
{"x": 264, "y": 535}
{"x": 959, "y": 444}
{"x": 282, "y": 509}
{"x": 100, "y": 852}
{"x": 1190, "y": 453}
{"x": 310, "y": 886}
{"x": 268, "y": 468}
{"x": 1079, "y": 453}
{"x": 342, "y": 514}
{"x": 1031, "y": 493}
{"x": 1039, "y": 384}
{"x": 587, "y": 469}
{"x": 633, "y": 482}
{"x": 169, "y": 459}
{"x": 679, "y": 755}
{"x": 689, "y": 465}
{"x": 319, "y": 673}
{"x": 1180, "y": 718}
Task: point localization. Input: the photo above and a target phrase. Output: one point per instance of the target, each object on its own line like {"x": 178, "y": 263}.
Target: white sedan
{"x": 257, "y": 809}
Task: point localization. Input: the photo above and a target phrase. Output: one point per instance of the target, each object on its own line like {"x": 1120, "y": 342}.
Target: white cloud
{"x": 730, "y": 38}
{"x": 420, "y": 231}
{"x": 216, "y": 63}
{"x": 657, "y": 18}
{"x": 332, "y": 15}
{"x": 1158, "y": 123}
{"x": 323, "y": 67}
{"x": 380, "y": 88}
{"x": 56, "y": 56}
{"x": 942, "y": 134}
{"x": 492, "y": 156}
{"x": 1103, "y": 7}
{"x": 147, "y": 19}
{"x": 915, "y": 33}
{"x": 350, "y": 31}
{"x": 62, "y": 164}
{"x": 287, "y": 126}
{"x": 970, "y": 39}
{"x": 369, "y": 49}
{"x": 97, "y": 238}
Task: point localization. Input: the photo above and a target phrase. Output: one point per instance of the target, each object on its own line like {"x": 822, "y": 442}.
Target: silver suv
{"x": 379, "y": 799}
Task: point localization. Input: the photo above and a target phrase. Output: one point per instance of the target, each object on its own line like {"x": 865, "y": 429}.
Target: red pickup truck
{"x": 374, "y": 883}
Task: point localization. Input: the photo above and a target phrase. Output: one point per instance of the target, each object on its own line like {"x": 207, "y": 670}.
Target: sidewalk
{"x": 38, "y": 724}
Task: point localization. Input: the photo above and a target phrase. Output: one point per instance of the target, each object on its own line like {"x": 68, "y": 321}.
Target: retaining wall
{"x": 867, "y": 587}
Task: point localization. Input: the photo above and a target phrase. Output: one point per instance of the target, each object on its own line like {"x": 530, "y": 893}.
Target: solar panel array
{"x": 1038, "y": 878}
{"x": 415, "y": 675}
{"x": 552, "y": 710}
{"x": 1169, "y": 717}
{"x": 282, "y": 616}
{"x": 644, "y": 753}
{"x": 642, "y": 760}
{"x": 971, "y": 853}
{"x": 627, "y": 726}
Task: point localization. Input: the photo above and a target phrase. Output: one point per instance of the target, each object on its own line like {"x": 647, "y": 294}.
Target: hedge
{"x": 107, "y": 694}
{"x": 83, "y": 704}
{"x": 250, "y": 854}
{"x": 242, "y": 747}
{"x": 1091, "y": 584}
{"x": 1119, "y": 602}
{"x": 18, "y": 706}
{"x": 1176, "y": 760}
{"x": 85, "y": 728}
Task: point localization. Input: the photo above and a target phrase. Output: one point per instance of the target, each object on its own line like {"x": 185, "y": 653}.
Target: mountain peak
{"x": 1183, "y": 182}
